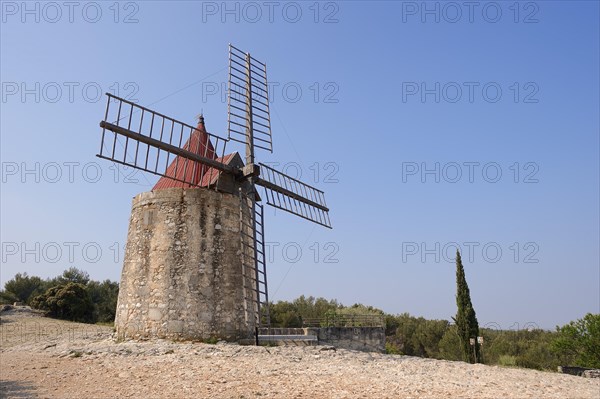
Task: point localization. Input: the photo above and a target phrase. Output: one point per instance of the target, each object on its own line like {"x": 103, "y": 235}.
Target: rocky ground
{"x": 46, "y": 358}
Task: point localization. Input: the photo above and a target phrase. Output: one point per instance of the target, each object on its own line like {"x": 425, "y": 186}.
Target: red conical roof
{"x": 194, "y": 174}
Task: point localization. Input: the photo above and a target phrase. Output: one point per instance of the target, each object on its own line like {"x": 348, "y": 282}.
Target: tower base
{"x": 182, "y": 273}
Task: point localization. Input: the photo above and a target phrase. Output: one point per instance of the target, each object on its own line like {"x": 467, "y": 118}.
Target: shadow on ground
{"x": 16, "y": 389}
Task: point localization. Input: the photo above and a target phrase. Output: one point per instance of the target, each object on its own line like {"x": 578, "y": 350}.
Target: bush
{"x": 392, "y": 349}
{"x": 416, "y": 336}
{"x": 449, "y": 345}
{"x": 507, "y": 361}
{"x": 538, "y": 355}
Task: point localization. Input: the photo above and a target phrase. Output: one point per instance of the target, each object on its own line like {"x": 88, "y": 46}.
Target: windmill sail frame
{"x": 154, "y": 134}
{"x": 248, "y": 113}
{"x": 293, "y": 196}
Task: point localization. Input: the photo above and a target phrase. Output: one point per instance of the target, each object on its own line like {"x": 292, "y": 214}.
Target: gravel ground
{"x": 45, "y": 358}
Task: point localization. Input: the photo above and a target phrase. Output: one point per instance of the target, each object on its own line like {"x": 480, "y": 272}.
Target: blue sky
{"x": 426, "y": 123}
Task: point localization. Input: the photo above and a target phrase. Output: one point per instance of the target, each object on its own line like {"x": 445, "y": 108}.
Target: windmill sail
{"x": 292, "y": 195}
{"x": 249, "y": 120}
{"x": 138, "y": 137}
{"x": 249, "y": 123}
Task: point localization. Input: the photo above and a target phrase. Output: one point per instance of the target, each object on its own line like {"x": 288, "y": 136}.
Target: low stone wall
{"x": 367, "y": 339}
{"x": 594, "y": 373}
{"x": 580, "y": 371}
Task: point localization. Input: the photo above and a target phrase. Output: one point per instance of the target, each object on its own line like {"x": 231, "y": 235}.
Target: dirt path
{"x": 47, "y": 358}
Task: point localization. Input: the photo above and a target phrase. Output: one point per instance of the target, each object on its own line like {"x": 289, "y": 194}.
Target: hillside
{"x": 41, "y": 357}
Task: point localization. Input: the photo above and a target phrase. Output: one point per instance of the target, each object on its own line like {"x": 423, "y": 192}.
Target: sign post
{"x": 472, "y": 342}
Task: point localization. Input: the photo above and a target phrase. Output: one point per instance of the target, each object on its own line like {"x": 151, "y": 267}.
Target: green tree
{"x": 72, "y": 275}
{"x": 292, "y": 314}
{"x": 449, "y": 345}
{"x": 391, "y": 324}
{"x": 314, "y": 308}
{"x": 535, "y": 350}
{"x": 402, "y": 340}
{"x": 71, "y": 301}
{"x": 7, "y": 297}
{"x": 427, "y": 337}
{"x": 24, "y": 287}
{"x": 578, "y": 343}
{"x": 284, "y": 314}
{"x": 466, "y": 320}
{"x": 104, "y": 297}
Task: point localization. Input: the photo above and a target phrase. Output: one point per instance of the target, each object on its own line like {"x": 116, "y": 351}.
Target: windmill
{"x": 188, "y": 156}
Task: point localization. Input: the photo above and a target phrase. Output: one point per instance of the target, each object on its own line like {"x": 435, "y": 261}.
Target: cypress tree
{"x": 466, "y": 321}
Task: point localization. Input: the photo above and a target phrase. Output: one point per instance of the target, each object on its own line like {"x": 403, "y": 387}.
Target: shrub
{"x": 507, "y": 361}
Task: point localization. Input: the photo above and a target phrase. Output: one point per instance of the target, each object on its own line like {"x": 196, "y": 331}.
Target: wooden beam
{"x": 172, "y": 149}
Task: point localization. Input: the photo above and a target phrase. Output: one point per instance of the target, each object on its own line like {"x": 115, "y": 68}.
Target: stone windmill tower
{"x": 195, "y": 264}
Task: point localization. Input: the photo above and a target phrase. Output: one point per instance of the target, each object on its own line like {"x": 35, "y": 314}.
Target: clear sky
{"x": 428, "y": 124}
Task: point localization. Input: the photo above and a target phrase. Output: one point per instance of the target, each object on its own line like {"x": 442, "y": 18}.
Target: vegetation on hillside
{"x": 73, "y": 296}
{"x": 576, "y": 344}
{"x": 70, "y": 296}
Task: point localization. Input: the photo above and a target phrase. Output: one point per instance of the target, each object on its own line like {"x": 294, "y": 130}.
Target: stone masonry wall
{"x": 182, "y": 275}
{"x": 367, "y": 339}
